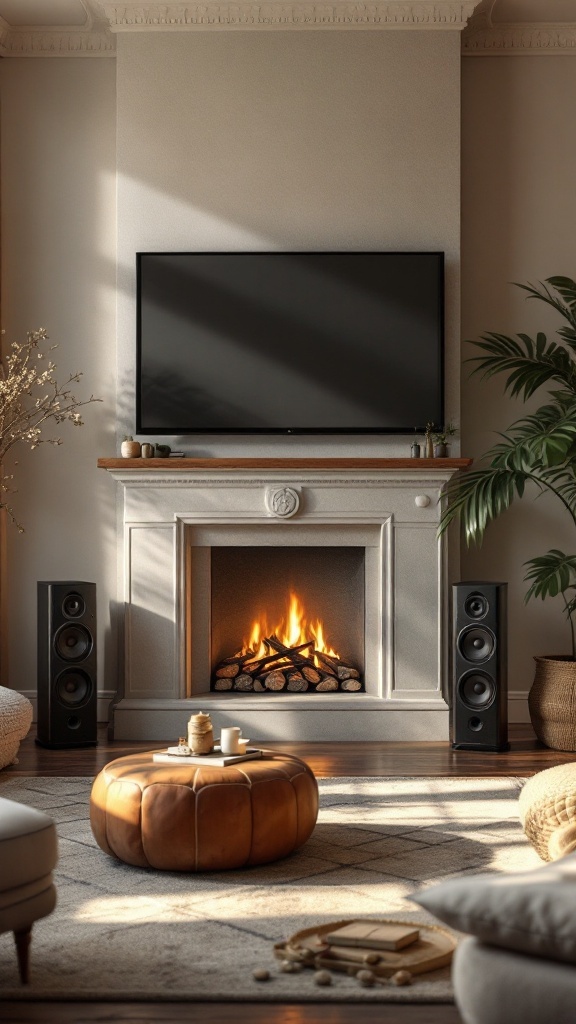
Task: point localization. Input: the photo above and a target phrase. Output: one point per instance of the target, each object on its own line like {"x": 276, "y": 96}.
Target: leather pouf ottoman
{"x": 548, "y": 811}
{"x": 196, "y": 818}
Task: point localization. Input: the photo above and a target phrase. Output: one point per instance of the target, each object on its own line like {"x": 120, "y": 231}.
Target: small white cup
{"x": 231, "y": 742}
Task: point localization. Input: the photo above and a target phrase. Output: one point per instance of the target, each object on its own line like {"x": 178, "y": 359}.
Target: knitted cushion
{"x": 548, "y": 811}
{"x": 15, "y": 721}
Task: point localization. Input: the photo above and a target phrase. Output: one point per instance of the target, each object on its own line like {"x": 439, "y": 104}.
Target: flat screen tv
{"x": 289, "y": 343}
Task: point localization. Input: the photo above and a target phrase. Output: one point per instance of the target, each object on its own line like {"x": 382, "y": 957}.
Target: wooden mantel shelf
{"x": 279, "y": 464}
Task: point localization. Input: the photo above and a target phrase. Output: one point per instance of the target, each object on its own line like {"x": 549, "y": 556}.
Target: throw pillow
{"x": 532, "y": 912}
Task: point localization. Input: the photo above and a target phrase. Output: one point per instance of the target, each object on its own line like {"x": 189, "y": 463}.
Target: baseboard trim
{"x": 517, "y": 705}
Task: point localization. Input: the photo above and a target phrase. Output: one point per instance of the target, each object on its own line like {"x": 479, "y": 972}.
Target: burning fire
{"x": 292, "y": 630}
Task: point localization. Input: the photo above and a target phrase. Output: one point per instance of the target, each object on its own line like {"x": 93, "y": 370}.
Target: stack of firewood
{"x": 286, "y": 669}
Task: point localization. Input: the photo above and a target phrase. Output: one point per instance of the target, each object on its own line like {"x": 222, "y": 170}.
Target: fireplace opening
{"x": 287, "y": 619}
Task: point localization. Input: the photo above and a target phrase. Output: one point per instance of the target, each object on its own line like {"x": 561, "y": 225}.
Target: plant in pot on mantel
{"x": 539, "y": 449}
{"x": 441, "y": 442}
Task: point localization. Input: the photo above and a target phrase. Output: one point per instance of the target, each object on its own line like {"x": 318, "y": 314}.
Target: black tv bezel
{"x": 141, "y": 428}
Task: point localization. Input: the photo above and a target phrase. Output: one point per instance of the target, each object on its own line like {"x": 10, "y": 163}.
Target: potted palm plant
{"x": 539, "y": 448}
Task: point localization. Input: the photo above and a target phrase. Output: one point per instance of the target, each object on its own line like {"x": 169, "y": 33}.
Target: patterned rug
{"x": 120, "y": 932}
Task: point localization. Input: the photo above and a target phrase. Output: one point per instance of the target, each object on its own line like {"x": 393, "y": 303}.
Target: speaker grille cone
{"x": 476, "y": 643}
{"x": 476, "y": 691}
{"x": 73, "y": 688}
{"x": 73, "y": 606}
{"x": 72, "y": 642}
{"x": 476, "y": 606}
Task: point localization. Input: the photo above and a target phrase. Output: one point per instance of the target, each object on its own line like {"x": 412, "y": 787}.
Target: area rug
{"x": 121, "y": 932}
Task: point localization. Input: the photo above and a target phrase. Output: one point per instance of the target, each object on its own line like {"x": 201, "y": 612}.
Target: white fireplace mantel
{"x": 173, "y": 507}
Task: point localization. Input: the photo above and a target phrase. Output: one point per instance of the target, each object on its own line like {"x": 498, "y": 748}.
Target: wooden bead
{"x": 322, "y": 978}
{"x": 261, "y": 974}
{"x": 289, "y": 966}
{"x": 401, "y": 978}
{"x": 366, "y": 978}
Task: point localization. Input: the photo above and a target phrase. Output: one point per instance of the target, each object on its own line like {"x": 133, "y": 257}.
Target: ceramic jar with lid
{"x": 130, "y": 449}
{"x": 200, "y": 733}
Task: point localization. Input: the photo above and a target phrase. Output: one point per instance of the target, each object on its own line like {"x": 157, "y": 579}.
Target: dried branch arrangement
{"x": 286, "y": 669}
{"x": 30, "y": 395}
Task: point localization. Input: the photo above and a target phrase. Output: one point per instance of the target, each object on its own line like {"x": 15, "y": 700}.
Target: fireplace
{"x": 209, "y": 546}
{"x": 287, "y": 619}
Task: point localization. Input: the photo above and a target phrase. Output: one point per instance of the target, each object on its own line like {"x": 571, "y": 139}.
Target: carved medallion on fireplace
{"x": 283, "y": 502}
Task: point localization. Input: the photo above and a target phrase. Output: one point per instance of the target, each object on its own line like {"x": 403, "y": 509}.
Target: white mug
{"x": 230, "y": 741}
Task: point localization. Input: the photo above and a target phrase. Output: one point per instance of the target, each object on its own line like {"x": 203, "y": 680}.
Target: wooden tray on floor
{"x": 431, "y": 951}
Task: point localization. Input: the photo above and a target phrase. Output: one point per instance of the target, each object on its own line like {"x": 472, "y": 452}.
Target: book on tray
{"x": 374, "y": 935}
{"x": 216, "y": 758}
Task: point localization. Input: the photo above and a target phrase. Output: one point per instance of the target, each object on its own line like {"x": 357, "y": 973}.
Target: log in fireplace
{"x": 287, "y": 669}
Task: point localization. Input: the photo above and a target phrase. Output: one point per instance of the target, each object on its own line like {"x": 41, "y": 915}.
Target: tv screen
{"x": 293, "y": 343}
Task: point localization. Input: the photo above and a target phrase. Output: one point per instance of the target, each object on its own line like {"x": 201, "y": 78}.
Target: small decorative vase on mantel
{"x": 130, "y": 449}
{"x": 552, "y": 701}
{"x": 440, "y": 451}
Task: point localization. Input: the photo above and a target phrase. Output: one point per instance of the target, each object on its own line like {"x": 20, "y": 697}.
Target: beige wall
{"x": 225, "y": 140}
{"x": 58, "y": 271}
{"x": 287, "y": 140}
{"x": 518, "y": 216}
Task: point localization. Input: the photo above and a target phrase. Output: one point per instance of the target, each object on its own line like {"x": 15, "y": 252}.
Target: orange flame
{"x": 292, "y": 630}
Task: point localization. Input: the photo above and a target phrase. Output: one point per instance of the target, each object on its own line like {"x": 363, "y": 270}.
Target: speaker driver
{"x": 73, "y": 606}
{"x": 476, "y": 643}
{"x": 72, "y": 643}
{"x": 73, "y": 688}
{"x": 476, "y": 606}
{"x": 477, "y": 691}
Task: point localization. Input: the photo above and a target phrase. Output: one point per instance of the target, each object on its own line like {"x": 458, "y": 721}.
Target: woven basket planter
{"x": 552, "y": 702}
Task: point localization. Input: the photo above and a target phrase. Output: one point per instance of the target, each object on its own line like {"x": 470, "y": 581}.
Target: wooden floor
{"x": 410, "y": 760}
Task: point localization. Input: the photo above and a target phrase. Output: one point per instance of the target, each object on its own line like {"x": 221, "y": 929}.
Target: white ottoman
{"x": 28, "y": 855}
{"x": 15, "y": 721}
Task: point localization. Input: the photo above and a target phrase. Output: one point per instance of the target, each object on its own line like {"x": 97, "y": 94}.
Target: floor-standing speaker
{"x": 67, "y": 685}
{"x": 480, "y": 666}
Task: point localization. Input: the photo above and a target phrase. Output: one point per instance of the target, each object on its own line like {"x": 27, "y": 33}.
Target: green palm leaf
{"x": 479, "y": 496}
{"x": 565, "y": 287}
{"x": 551, "y": 574}
{"x": 528, "y": 363}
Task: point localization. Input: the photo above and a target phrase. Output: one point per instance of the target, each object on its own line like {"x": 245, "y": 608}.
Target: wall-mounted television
{"x": 289, "y": 342}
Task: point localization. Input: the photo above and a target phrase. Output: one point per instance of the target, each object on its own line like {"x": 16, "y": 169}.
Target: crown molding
{"x": 92, "y": 39}
{"x": 485, "y": 38}
{"x": 136, "y": 16}
{"x": 481, "y": 35}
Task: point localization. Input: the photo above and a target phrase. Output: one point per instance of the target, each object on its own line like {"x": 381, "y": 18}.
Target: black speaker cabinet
{"x": 67, "y": 686}
{"x": 480, "y": 667}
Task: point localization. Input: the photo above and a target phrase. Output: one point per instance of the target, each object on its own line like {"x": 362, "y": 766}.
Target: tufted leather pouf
{"x": 548, "y": 811}
{"x": 196, "y": 818}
